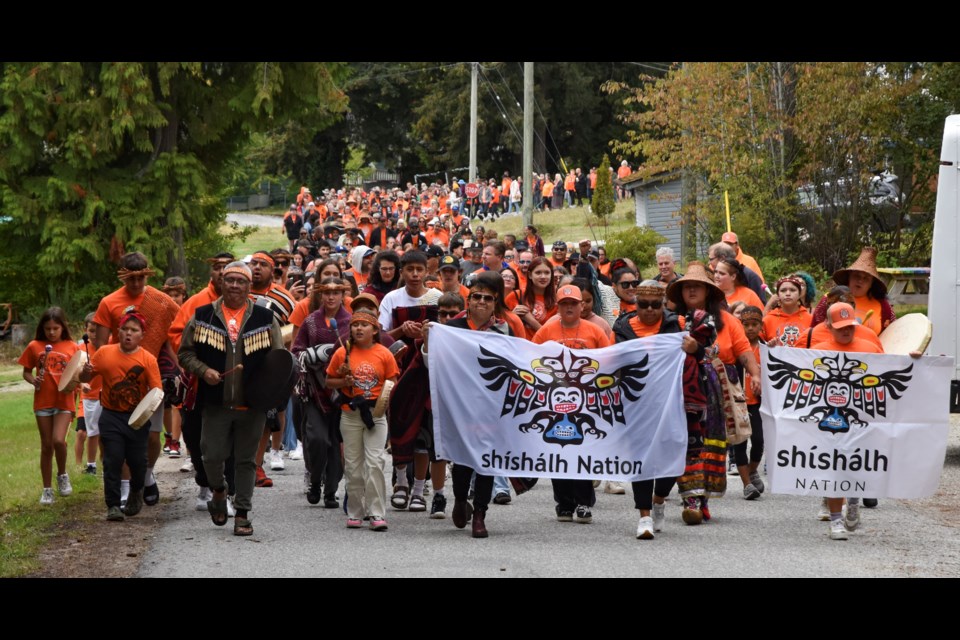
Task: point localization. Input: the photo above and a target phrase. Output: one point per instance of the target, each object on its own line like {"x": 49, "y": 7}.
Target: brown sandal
{"x": 218, "y": 510}
{"x": 242, "y": 526}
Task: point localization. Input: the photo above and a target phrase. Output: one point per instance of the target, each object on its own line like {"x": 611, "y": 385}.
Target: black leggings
{"x": 644, "y": 490}
{"x": 756, "y": 439}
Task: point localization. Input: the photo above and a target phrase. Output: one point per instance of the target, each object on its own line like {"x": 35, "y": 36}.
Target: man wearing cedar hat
{"x": 229, "y": 332}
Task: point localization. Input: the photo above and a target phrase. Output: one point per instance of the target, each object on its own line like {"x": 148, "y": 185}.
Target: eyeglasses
{"x": 525, "y": 261}
{"x": 447, "y": 314}
{"x": 648, "y": 304}
{"x": 629, "y": 284}
{"x": 482, "y": 297}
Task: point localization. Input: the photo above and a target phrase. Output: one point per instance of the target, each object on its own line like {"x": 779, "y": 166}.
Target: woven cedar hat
{"x": 696, "y": 272}
{"x": 866, "y": 263}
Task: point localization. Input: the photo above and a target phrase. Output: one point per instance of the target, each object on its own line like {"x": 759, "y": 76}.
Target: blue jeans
{"x": 289, "y": 432}
{"x": 513, "y": 204}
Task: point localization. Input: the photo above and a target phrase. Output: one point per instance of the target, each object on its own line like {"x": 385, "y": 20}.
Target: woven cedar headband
{"x": 123, "y": 274}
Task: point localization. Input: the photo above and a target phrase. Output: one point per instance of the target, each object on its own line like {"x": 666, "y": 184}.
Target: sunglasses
{"x": 447, "y": 314}
{"x": 482, "y": 297}
{"x": 283, "y": 264}
{"x": 630, "y": 284}
{"x": 644, "y": 304}
{"x": 525, "y": 261}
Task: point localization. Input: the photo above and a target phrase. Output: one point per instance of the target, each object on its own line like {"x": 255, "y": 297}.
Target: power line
{"x": 546, "y": 126}
{"x": 547, "y": 150}
{"x": 650, "y": 66}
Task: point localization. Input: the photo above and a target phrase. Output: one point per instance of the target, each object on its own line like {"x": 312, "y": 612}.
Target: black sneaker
{"x": 313, "y": 495}
{"x": 501, "y": 498}
{"x": 134, "y": 503}
{"x": 438, "y": 509}
{"x": 870, "y": 503}
{"x": 564, "y": 515}
{"x": 91, "y": 470}
{"x": 583, "y": 514}
{"x": 330, "y": 502}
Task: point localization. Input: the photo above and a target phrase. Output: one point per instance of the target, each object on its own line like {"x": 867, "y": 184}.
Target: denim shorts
{"x": 46, "y": 413}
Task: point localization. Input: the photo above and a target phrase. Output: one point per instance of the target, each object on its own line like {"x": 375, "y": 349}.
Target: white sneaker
{"x": 851, "y": 516}
{"x": 231, "y": 512}
{"x": 187, "y": 467}
{"x": 47, "y": 496}
{"x": 297, "y": 454}
{"x": 203, "y": 496}
{"x": 658, "y": 516}
{"x": 276, "y": 461}
{"x": 837, "y": 530}
{"x": 63, "y": 485}
{"x": 824, "y": 514}
{"x": 616, "y": 488}
{"x": 645, "y": 528}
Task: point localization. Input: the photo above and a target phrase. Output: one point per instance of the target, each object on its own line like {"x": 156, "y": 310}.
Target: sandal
{"x": 218, "y": 510}
{"x": 400, "y": 498}
{"x": 242, "y": 527}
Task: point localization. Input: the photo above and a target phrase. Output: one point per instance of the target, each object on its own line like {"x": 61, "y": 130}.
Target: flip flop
{"x": 218, "y": 511}
{"x": 242, "y": 527}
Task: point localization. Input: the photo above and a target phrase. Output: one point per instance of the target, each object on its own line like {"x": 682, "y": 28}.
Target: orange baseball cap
{"x": 569, "y": 292}
{"x": 729, "y": 237}
{"x": 841, "y": 315}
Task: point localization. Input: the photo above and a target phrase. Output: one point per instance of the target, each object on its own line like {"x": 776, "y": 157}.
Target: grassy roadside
{"x": 570, "y": 225}
{"x": 25, "y": 526}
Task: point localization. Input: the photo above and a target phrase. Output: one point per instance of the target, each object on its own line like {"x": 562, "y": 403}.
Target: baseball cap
{"x": 449, "y": 262}
{"x": 569, "y": 292}
{"x": 841, "y": 315}
{"x": 729, "y": 237}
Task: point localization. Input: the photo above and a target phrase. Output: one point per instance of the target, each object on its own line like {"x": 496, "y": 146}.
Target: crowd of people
{"x": 353, "y": 297}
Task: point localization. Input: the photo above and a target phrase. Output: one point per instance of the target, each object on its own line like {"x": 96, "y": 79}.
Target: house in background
{"x": 658, "y": 200}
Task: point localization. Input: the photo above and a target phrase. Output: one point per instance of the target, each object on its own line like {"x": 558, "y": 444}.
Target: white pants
{"x": 364, "y": 460}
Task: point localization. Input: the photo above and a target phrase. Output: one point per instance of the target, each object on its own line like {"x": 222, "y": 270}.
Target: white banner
{"x": 505, "y": 406}
{"x": 854, "y": 424}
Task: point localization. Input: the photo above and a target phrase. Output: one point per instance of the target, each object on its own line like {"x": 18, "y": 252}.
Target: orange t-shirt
{"x": 744, "y": 295}
{"x": 747, "y": 387}
{"x": 127, "y": 377}
{"x": 821, "y": 332}
{"x": 370, "y": 368}
{"x": 586, "y": 336}
{"x": 547, "y": 190}
{"x": 443, "y": 236}
{"x": 569, "y": 183}
{"x": 505, "y": 186}
{"x": 541, "y": 314}
{"x": 866, "y": 304}
{"x": 858, "y": 345}
{"x": 593, "y": 181}
{"x": 111, "y": 307}
{"x": 48, "y": 396}
{"x": 731, "y": 340}
{"x": 787, "y": 328}
{"x": 623, "y": 171}
{"x": 515, "y": 324}
{"x": 645, "y": 330}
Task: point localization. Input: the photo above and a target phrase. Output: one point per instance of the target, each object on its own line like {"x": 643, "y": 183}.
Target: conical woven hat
{"x": 866, "y": 263}
{"x": 695, "y": 272}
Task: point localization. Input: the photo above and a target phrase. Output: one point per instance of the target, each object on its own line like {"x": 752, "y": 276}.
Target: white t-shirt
{"x": 399, "y": 298}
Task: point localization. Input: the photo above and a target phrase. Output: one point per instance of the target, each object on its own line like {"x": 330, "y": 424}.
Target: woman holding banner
{"x": 485, "y": 290}
{"x": 652, "y": 317}
{"x": 700, "y": 301}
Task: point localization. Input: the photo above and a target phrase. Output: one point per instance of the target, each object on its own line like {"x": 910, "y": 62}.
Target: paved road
{"x": 255, "y": 220}
{"x": 775, "y": 536}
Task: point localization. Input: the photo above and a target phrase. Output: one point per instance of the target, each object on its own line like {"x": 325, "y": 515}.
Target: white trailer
{"x": 944, "y": 300}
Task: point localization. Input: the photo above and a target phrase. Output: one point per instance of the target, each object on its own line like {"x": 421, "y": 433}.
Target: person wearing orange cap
{"x": 869, "y": 291}
{"x": 841, "y": 320}
{"x": 574, "y": 497}
{"x": 731, "y": 239}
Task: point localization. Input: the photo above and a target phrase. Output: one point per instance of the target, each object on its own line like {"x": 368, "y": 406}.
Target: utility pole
{"x": 527, "y": 143}
{"x": 473, "y": 122}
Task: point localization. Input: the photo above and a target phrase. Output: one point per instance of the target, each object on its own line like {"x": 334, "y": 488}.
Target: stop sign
{"x": 471, "y": 190}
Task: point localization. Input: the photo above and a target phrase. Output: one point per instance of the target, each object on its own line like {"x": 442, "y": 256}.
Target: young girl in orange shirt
{"x": 43, "y": 363}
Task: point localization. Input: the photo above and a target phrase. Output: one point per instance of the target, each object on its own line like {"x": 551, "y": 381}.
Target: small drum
{"x": 912, "y": 332}
{"x": 70, "y": 377}
{"x": 147, "y": 407}
{"x": 384, "y": 400}
{"x": 270, "y": 385}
